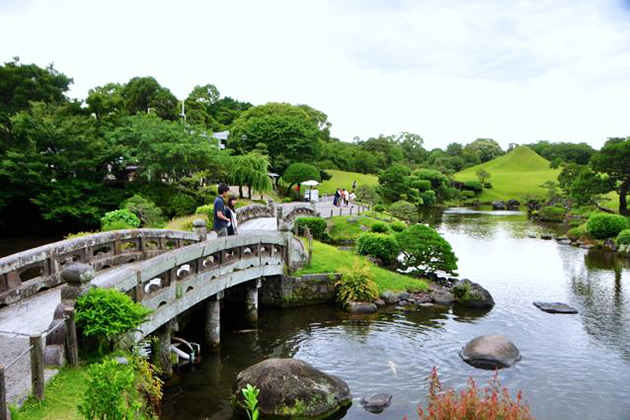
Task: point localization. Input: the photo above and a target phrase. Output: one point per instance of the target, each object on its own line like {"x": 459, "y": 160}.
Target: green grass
{"x": 63, "y": 395}
{"x": 328, "y": 259}
{"x": 342, "y": 179}
{"x": 515, "y": 175}
{"x": 341, "y": 230}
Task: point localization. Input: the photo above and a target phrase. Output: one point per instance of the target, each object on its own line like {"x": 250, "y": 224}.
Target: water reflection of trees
{"x": 469, "y": 315}
{"x": 599, "y": 285}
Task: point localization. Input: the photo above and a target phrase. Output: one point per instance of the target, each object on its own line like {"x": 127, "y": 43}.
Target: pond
{"x": 573, "y": 366}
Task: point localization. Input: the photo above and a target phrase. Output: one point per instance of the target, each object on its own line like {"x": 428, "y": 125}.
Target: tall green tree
{"x": 614, "y": 159}
{"x": 144, "y": 94}
{"x": 21, "y": 84}
{"x": 297, "y": 173}
{"x": 290, "y": 132}
{"x": 393, "y": 182}
{"x": 486, "y": 149}
{"x": 251, "y": 170}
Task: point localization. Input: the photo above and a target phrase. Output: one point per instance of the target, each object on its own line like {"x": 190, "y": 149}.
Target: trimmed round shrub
{"x": 316, "y": 225}
{"x": 604, "y": 225}
{"x": 379, "y": 227}
{"x": 378, "y": 245}
{"x": 424, "y": 249}
{"x": 398, "y": 226}
{"x": 149, "y": 214}
{"x": 356, "y": 284}
{"x": 468, "y": 194}
{"x": 552, "y": 214}
{"x": 119, "y": 219}
{"x": 207, "y": 209}
{"x": 379, "y": 208}
{"x": 421, "y": 184}
{"x": 473, "y": 185}
{"x": 487, "y": 185}
{"x": 623, "y": 238}
{"x": 429, "y": 198}
{"x": 404, "y": 210}
{"x": 181, "y": 205}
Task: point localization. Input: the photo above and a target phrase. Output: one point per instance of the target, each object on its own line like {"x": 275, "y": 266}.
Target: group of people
{"x": 224, "y": 223}
{"x": 343, "y": 197}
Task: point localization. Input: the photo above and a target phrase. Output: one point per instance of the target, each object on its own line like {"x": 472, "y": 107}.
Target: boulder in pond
{"x": 389, "y": 298}
{"x": 362, "y": 308}
{"x": 513, "y": 204}
{"x": 380, "y": 303}
{"x": 442, "y": 297}
{"x": 376, "y": 403}
{"x": 490, "y": 352}
{"x": 499, "y": 205}
{"x": 472, "y": 295}
{"x": 291, "y": 388}
{"x": 555, "y": 307}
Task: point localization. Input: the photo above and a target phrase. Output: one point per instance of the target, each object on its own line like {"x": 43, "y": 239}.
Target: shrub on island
{"x": 604, "y": 225}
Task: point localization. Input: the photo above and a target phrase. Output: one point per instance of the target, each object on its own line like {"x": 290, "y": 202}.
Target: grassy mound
{"x": 342, "y": 179}
{"x": 514, "y": 175}
{"x": 328, "y": 259}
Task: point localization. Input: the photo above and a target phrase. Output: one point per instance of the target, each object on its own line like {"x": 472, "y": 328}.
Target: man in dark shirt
{"x": 220, "y": 219}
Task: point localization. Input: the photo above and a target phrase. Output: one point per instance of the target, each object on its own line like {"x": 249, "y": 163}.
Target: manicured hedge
{"x": 378, "y": 245}
{"x": 316, "y": 225}
{"x": 624, "y": 237}
{"x": 604, "y": 225}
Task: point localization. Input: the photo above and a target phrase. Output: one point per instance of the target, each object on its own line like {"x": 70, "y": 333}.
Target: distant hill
{"x": 513, "y": 175}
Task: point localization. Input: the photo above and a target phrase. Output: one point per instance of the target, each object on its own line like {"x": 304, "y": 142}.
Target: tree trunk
{"x": 240, "y": 191}
{"x": 289, "y": 189}
{"x": 249, "y": 191}
{"x": 623, "y": 192}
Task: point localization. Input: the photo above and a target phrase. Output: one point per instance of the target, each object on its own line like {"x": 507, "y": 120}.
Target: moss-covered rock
{"x": 292, "y": 389}
{"x": 472, "y": 295}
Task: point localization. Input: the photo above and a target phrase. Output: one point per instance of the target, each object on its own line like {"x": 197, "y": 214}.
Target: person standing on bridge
{"x": 230, "y": 211}
{"x": 221, "y": 221}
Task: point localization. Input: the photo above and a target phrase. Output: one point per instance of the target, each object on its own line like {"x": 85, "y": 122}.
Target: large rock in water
{"x": 291, "y": 388}
{"x": 499, "y": 205}
{"x": 555, "y": 307}
{"x": 490, "y": 352}
{"x": 376, "y": 403}
{"x": 472, "y": 295}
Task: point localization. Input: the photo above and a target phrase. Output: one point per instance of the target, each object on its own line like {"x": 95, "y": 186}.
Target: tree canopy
{"x": 614, "y": 159}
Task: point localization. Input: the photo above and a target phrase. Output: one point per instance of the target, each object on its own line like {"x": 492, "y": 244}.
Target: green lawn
{"x": 328, "y": 259}
{"x": 63, "y": 395}
{"x": 342, "y": 179}
{"x": 515, "y": 175}
{"x": 341, "y": 229}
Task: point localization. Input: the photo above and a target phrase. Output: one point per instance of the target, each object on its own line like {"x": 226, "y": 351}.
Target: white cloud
{"x": 450, "y": 70}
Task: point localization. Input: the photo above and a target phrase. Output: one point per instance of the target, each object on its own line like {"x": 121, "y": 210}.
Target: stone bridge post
{"x": 199, "y": 226}
{"x": 252, "y": 300}
{"x": 213, "y": 320}
{"x": 162, "y": 349}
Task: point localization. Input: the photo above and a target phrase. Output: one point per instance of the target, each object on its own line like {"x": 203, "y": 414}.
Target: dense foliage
{"x": 356, "y": 284}
{"x": 149, "y": 214}
{"x": 623, "y": 238}
{"x": 379, "y": 227}
{"x": 107, "y": 314}
{"x": 604, "y": 225}
{"x": 425, "y": 250}
{"x": 121, "y": 391}
{"x": 614, "y": 160}
{"x": 552, "y": 214}
{"x": 316, "y": 225}
{"x": 119, "y": 219}
{"x": 404, "y": 210}
{"x": 378, "y": 245}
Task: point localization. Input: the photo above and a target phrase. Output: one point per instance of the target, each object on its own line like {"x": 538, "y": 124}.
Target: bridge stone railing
{"x": 175, "y": 281}
{"x": 254, "y": 211}
{"x": 300, "y": 211}
{"x": 24, "y": 274}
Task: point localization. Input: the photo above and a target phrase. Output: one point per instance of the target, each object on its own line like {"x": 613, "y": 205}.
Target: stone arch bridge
{"x": 167, "y": 271}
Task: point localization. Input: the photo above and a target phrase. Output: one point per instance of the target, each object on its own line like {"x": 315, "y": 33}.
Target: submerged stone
{"x": 490, "y": 352}
{"x": 291, "y": 388}
{"x": 376, "y": 403}
{"x": 555, "y": 307}
{"x": 362, "y": 308}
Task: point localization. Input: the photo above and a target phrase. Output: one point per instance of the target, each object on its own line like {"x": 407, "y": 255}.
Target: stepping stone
{"x": 555, "y": 307}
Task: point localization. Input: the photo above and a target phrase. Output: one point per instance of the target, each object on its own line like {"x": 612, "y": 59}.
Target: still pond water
{"x": 573, "y": 367}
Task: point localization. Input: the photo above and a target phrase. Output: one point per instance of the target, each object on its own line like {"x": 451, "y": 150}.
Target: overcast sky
{"x": 449, "y": 70}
